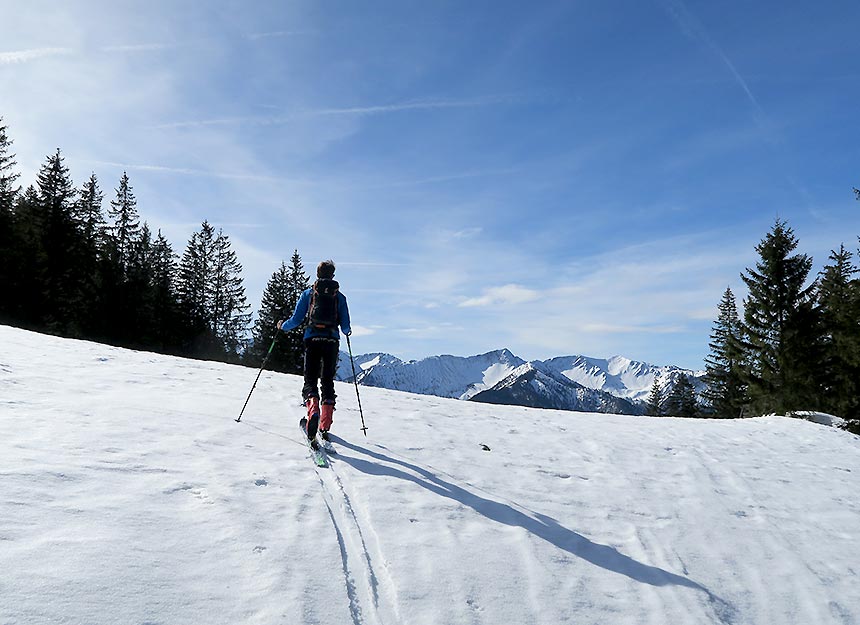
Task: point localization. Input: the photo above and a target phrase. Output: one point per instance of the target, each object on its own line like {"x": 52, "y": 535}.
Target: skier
{"x": 324, "y": 308}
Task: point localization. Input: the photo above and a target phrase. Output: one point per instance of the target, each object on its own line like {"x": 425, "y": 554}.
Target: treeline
{"x": 795, "y": 346}
{"x": 72, "y": 268}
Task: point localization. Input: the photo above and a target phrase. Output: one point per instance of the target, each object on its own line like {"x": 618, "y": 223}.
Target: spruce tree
{"x": 126, "y": 223}
{"x": 298, "y": 283}
{"x": 654, "y": 406}
{"x": 211, "y": 296}
{"x": 91, "y": 224}
{"x": 726, "y": 390}
{"x": 63, "y": 246}
{"x": 279, "y": 300}
{"x": 193, "y": 291}
{"x": 230, "y": 316}
{"x": 165, "y": 309}
{"x": 839, "y": 306}
{"x": 272, "y": 304}
{"x": 682, "y": 400}
{"x": 8, "y": 242}
{"x": 779, "y": 326}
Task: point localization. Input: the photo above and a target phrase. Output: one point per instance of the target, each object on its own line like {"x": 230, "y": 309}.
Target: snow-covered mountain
{"x": 535, "y": 387}
{"x": 556, "y": 383}
{"x": 443, "y": 376}
{"x": 129, "y": 495}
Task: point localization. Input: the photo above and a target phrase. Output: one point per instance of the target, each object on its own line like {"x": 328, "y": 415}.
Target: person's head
{"x": 325, "y": 270}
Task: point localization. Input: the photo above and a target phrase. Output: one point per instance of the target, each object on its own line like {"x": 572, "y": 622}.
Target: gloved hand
{"x": 348, "y": 332}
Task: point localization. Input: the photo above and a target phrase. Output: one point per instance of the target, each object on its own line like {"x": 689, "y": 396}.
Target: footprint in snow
{"x": 261, "y": 482}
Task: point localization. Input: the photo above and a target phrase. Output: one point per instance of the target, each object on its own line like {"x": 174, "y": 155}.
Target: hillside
{"x": 130, "y": 495}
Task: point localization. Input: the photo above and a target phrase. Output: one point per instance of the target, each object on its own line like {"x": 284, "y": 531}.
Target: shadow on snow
{"x": 540, "y": 525}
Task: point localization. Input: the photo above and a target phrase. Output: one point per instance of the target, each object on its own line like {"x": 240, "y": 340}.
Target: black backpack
{"x": 323, "y": 310}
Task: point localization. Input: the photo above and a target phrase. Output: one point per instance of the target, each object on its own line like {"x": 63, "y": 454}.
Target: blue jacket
{"x": 301, "y": 313}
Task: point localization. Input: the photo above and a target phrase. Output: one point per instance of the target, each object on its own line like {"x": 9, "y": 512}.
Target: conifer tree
{"x": 272, "y": 304}
{"x": 89, "y": 212}
{"x": 126, "y": 223}
{"x": 8, "y": 190}
{"x": 839, "y": 307}
{"x": 63, "y": 248}
{"x": 726, "y": 390}
{"x": 779, "y": 326}
{"x": 279, "y": 300}
{"x": 654, "y": 406}
{"x": 8, "y": 242}
{"x": 193, "y": 290}
{"x": 298, "y": 282}
{"x": 230, "y": 318}
{"x": 682, "y": 400}
{"x": 165, "y": 310}
{"x": 211, "y": 296}
{"x": 91, "y": 225}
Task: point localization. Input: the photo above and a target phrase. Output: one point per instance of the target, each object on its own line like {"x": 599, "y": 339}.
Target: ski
{"x": 327, "y": 447}
{"x": 317, "y": 455}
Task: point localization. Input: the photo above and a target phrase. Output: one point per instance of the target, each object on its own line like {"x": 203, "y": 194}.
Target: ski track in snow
{"x": 128, "y": 494}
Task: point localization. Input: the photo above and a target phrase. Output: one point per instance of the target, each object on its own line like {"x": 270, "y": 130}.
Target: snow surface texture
{"x": 130, "y": 496}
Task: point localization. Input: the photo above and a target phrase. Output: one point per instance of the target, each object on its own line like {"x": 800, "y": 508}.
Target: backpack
{"x": 323, "y": 309}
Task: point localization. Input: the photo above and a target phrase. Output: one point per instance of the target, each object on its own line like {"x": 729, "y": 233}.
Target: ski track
{"x": 359, "y": 567}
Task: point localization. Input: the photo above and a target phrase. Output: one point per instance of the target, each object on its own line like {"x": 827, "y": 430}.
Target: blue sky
{"x": 552, "y": 177}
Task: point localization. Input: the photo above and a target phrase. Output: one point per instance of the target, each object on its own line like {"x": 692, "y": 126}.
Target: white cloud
{"x": 509, "y": 294}
{"x": 22, "y": 56}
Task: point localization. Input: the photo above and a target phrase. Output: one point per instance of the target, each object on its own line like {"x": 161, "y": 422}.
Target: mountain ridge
{"x": 575, "y": 382}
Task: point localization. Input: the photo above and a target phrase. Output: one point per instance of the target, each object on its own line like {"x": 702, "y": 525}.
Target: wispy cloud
{"x": 143, "y": 47}
{"x": 199, "y": 172}
{"x": 351, "y": 111}
{"x": 275, "y": 34}
{"x": 22, "y": 56}
{"x": 693, "y": 28}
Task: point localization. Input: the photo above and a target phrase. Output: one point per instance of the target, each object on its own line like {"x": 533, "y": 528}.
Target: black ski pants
{"x": 320, "y": 367}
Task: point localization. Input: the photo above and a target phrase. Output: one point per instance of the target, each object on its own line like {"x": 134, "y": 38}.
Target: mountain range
{"x": 581, "y": 383}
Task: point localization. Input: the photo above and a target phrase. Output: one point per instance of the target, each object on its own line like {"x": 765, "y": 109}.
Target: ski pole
{"x": 263, "y": 366}
{"x": 355, "y": 379}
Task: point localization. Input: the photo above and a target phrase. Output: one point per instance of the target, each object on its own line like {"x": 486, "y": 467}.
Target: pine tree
{"x": 63, "y": 245}
{"x": 682, "y": 400}
{"x": 726, "y": 390}
{"x": 165, "y": 309}
{"x": 230, "y": 317}
{"x": 194, "y": 282}
{"x": 839, "y": 306}
{"x": 8, "y": 242}
{"x": 298, "y": 283}
{"x": 91, "y": 225}
{"x": 279, "y": 300}
{"x": 123, "y": 211}
{"x": 211, "y": 296}
{"x": 654, "y": 406}
{"x": 8, "y": 190}
{"x": 273, "y": 302}
{"x": 779, "y": 326}
{"x": 89, "y": 212}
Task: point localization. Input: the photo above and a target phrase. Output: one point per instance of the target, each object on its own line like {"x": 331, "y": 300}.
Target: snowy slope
{"x": 130, "y": 495}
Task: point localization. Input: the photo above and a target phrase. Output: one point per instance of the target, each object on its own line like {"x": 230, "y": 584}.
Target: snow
{"x": 130, "y": 495}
